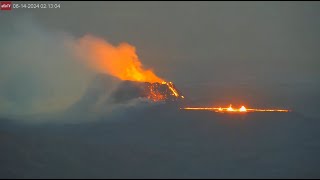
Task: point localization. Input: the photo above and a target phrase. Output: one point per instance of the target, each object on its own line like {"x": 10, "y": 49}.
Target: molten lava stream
{"x": 230, "y": 109}
{"x": 122, "y": 62}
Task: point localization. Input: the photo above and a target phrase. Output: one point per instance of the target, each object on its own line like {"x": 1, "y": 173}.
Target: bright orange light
{"x": 243, "y": 109}
{"x": 173, "y": 90}
{"x": 119, "y": 61}
{"x": 230, "y": 108}
{"x": 233, "y": 110}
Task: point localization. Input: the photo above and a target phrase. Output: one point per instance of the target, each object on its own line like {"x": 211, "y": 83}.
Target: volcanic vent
{"x": 99, "y": 96}
{"x": 123, "y": 63}
{"x": 164, "y": 91}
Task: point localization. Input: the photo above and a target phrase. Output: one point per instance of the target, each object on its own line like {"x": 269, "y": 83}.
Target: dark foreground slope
{"x": 159, "y": 142}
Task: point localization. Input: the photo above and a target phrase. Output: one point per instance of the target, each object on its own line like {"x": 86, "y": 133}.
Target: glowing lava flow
{"x": 230, "y": 109}
{"x": 173, "y": 90}
{"x": 121, "y": 62}
{"x": 165, "y": 91}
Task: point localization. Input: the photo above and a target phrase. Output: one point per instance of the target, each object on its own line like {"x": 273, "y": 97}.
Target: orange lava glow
{"x": 230, "y": 109}
{"x": 119, "y": 61}
{"x": 156, "y": 95}
{"x": 173, "y": 90}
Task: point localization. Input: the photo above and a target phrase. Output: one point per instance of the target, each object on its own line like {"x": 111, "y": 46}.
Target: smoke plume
{"x": 38, "y": 74}
{"x": 44, "y": 71}
{"x": 119, "y": 61}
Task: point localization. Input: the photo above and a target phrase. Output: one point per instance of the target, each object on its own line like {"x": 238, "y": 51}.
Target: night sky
{"x": 260, "y": 54}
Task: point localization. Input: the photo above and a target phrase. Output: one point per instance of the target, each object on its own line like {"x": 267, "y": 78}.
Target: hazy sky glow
{"x": 222, "y": 46}
{"x": 65, "y": 113}
{"x": 258, "y": 40}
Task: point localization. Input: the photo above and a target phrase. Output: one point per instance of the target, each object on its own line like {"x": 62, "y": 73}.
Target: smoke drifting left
{"x": 137, "y": 86}
{"x": 53, "y": 71}
{"x": 38, "y": 73}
